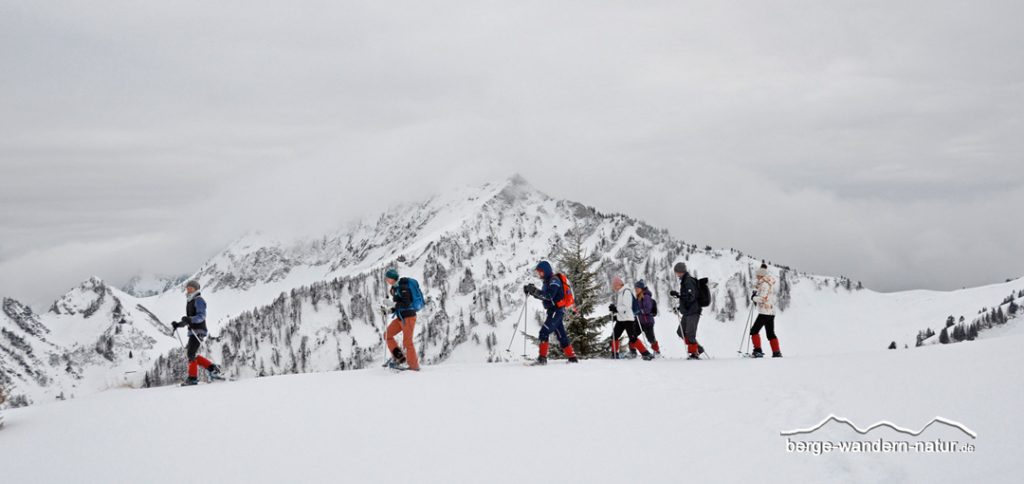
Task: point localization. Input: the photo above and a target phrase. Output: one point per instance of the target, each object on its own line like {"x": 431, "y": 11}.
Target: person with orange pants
{"x": 553, "y": 293}
{"x": 402, "y": 294}
{"x": 195, "y": 321}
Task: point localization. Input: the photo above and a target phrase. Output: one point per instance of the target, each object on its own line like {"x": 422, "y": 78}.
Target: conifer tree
{"x": 581, "y": 268}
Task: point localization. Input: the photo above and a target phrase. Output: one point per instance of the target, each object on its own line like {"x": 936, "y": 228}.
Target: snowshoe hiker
{"x": 556, "y": 296}
{"x": 623, "y": 309}
{"x": 646, "y": 310}
{"x": 195, "y": 321}
{"x": 407, "y": 298}
{"x": 764, "y": 294}
{"x": 690, "y": 310}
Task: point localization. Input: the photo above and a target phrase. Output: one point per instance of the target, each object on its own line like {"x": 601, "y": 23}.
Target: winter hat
{"x": 618, "y": 280}
{"x": 392, "y": 274}
{"x": 640, "y": 284}
{"x": 761, "y": 272}
{"x": 545, "y": 267}
{"x": 680, "y": 268}
{"x": 194, "y": 284}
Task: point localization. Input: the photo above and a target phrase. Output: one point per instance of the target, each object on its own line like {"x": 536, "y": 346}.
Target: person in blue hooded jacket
{"x": 551, "y": 293}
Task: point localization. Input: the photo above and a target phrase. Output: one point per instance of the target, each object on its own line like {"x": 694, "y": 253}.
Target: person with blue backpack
{"x": 556, "y": 295}
{"x": 405, "y": 293}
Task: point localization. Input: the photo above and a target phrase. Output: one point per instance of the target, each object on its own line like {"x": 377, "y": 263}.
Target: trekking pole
{"x": 175, "y": 331}
{"x": 743, "y": 337}
{"x": 526, "y": 323}
{"x": 515, "y": 328}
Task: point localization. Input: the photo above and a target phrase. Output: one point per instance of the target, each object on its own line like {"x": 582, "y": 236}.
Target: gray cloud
{"x": 877, "y": 141}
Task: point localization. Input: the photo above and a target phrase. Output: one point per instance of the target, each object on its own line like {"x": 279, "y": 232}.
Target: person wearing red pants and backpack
{"x": 406, "y": 295}
{"x": 195, "y": 321}
{"x": 646, "y": 310}
{"x": 556, "y": 294}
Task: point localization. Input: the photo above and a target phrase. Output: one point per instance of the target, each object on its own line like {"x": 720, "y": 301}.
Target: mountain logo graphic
{"x": 833, "y": 418}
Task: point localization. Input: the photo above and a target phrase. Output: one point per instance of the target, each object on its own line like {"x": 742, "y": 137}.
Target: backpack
{"x": 567, "y": 298}
{"x": 703, "y": 293}
{"x": 414, "y": 291}
{"x": 654, "y": 307}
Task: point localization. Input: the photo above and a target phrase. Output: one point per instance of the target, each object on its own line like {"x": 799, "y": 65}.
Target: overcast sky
{"x": 880, "y": 140}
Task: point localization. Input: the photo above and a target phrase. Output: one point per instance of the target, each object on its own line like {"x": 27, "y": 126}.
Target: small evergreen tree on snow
{"x": 580, "y": 267}
{"x": 892, "y": 345}
{"x": 944, "y": 337}
{"x": 784, "y": 296}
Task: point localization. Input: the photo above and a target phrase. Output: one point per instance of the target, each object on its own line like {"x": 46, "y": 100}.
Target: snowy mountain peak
{"x": 83, "y": 299}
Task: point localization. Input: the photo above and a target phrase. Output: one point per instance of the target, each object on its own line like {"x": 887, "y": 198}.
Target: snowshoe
{"x": 777, "y": 354}
{"x": 757, "y": 353}
{"x": 647, "y": 357}
{"x": 540, "y": 361}
{"x": 573, "y": 359}
{"x": 190, "y": 381}
{"x": 693, "y": 356}
{"x": 631, "y": 355}
{"x": 397, "y": 365}
{"x": 216, "y": 373}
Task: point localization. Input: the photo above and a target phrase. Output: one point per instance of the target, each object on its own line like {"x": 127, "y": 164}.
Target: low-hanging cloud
{"x": 878, "y": 142}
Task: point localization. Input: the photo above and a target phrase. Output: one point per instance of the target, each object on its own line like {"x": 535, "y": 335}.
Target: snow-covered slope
{"x": 152, "y": 284}
{"x": 602, "y": 421}
{"x": 93, "y": 338}
{"x": 312, "y": 304}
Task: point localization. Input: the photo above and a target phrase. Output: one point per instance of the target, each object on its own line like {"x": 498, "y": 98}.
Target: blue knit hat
{"x": 391, "y": 274}
{"x": 640, "y": 284}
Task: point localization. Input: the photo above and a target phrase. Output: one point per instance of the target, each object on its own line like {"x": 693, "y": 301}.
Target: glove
{"x": 384, "y": 310}
{"x": 613, "y": 308}
{"x": 184, "y": 321}
{"x": 175, "y": 325}
{"x": 673, "y": 293}
{"x": 753, "y": 297}
{"x": 530, "y": 289}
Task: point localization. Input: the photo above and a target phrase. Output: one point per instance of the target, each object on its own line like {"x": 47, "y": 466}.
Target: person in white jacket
{"x": 623, "y": 309}
{"x": 764, "y": 297}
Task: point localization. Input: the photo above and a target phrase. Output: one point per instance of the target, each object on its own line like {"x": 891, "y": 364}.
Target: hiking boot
{"x": 693, "y": 356}
{"x": 757, "y": 353}
{"x": 190, "y": 381}
{"x": 647, "y": 356}
{"x": 541, "y": 360}
{"x": 777, "y": 354}
{"x": 573, "y": 359}
{"x": 397, "y": 357}
{"x": 215, "y": 372}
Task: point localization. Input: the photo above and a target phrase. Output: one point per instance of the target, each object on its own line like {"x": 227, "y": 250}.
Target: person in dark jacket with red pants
{"x": 195, "y": 321}
{"x": 404, "y": 322}
{"x": 690, "y": 310}
{"x": 645, "y": 313}
{"x": 551, "y": 292}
